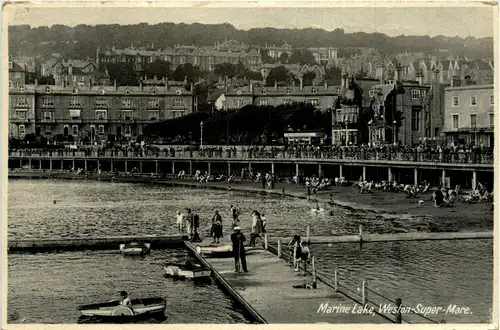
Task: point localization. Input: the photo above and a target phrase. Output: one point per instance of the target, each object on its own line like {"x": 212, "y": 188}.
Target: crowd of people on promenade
{"x": 423, "y": 152}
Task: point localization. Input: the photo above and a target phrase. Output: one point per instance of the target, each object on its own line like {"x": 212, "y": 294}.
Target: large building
{"x": 206, "y": 58}
{"x": 22, "y": 70}
{"x": 400, "y": 114}
{"x": 469, "y": 115}
{"x": 236, "y": 97}
{"x": 94, "y": 112}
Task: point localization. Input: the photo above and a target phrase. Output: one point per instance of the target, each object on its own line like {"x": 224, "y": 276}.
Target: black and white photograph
{"x": 249, "y": 163}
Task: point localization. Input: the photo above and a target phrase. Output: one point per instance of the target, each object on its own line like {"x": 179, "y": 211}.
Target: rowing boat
{"x": 135, "y": 248}
{"x": 180, "y": 272}
{"x": 138, "y": 307}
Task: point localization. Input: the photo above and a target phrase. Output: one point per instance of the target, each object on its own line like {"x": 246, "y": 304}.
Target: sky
{"x": 463, "y": 21}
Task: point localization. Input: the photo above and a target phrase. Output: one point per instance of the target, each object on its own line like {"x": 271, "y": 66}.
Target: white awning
{"x": 75, "y": 113}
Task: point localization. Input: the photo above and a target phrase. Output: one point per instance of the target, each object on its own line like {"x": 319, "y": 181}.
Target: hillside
{"x": 83, "y": 40}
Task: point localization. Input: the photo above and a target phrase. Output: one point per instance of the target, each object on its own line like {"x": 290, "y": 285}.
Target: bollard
{"x": 336, "y": 279}
{"x": 363, "y": 293}
{"x": 308, "y": 234}
{"x": 279, "y": 248}
{"x": 266, "y": 242}
{"x": 360, "y": 233}
{"x": 399, "y": 318}
{"x": 313, "y": 265}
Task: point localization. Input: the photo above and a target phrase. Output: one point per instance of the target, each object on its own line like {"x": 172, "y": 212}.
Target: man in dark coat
{"x": 237, "y": 238}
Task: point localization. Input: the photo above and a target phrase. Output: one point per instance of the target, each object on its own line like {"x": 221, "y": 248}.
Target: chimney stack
{"x": 436, "y": 76}
{"x": 326, "y": 85}
{"x": 116, "y": 88}
{"x": 185, "y": 79}
{"x": 225, "y": 83}
{"x": 140, "y": 86}
{"x": 420, "y": 78}
{"x": 70, "y": 68}
{"x": 397, "y": 73}
{"x": 192, "y": 88}
{"x": 251, "y": 87}
{"x": 36, "y": 82}
{"x": 275, "y": 85}
{"x": 382, "y": 73}
{"x": 301, "y": 83}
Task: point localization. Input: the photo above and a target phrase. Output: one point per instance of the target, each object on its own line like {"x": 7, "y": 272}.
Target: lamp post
{"x": 201, "y": 134}
{"x": 394, "y": 132}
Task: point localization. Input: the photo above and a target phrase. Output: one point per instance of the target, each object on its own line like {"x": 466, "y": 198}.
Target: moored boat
{"x": 135, "y": 248}
{"x": 221, "y": 250}
{"x": 138, "y": 307}
{"x": 181, "y": 272}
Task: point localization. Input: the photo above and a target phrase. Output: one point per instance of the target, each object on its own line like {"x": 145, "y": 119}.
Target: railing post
{"x": 279, "y": 248}
{"x": 360, "y": 233}
{"x": 308, "y": 234}
{"x": 266, "y": 242}
{"x": 363, "y": 293}
{"x": 313, "y": 265}
{"x": 336, "y": 279}
{"x": 295, "y": 256}
{"x": 399, "y": 318}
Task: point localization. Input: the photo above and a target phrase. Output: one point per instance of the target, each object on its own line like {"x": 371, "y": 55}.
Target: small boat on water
{"x": 320, "y": 210}
{"x": 220, "y": 250}
{"x": 113, "y": 309}
{"x": 135, "y": 248}
{"x": 190, "y": 269}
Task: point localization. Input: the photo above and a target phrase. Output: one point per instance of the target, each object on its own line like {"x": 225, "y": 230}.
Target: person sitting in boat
{"x": 125, "y": 299}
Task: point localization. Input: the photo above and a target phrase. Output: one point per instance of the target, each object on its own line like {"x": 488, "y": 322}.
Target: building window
{"x": 127, "y": 103}
{"x": 74, "y": 130}
{"x": 154, "y": 115}
{"x": 75, "y": 91}
{"x": 47, "y": 115}
{"x": 127, "y": 115}
{"x": 263, "y": 102}
{"x": 10, "y": 84}
{"x": 101, "y": 102}
{"x": 47, "y": 89}
{"x": 314, "y": 90}
{"x": 128, "y": 130}
{"x": 415, "y": 94}
{"x": 455, "y": 101}
{"x": 371, "y": 93}
{"x": 74, "y": 102}
{"x": 492, "y": 120}
{"x": 22, "y": 130}
{"x": 21, "y": 101}
{"x": 101, "y": 114}
{"x": 153, "y": 103}
{"x": 454, "y": 121}
{"x": 288, "y": 101}
{"x": 22, "y": 89}
{"x": 289, "y": 91}
{"x": 21, "y": 114}
{"x": 263, "y": 92}
{"x": 178, "y": 102}
{"x": 314, "y": 102}
{"x": 492, "y": 99}
{"x": 100, "y": 129}
{"x": 473, "y": 100}
{"x": 415, "y": 120}
{"x": 47, "y": 102}
{"x": 473, "y": 120}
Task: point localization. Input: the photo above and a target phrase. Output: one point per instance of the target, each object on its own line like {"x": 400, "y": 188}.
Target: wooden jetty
{"x": 97, "y": 243}
{"x": 267, "y": 292}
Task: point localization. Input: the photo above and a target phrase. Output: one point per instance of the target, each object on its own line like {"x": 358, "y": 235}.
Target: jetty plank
{"x": 268, "y": 288}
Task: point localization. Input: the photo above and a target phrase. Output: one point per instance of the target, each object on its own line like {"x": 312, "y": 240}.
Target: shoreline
{"x": 388, "y": 205}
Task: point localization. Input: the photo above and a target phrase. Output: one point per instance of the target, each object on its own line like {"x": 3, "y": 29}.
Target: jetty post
{"x": 266, "y": 242}
{"x": 308, "y": 234}
{"x": 360, "y": 233}
{"x": 313, "y": 265}
{"x": 399, "y": 317}
{"x": 336, "y": 279}
{"x": 279, "y": 248}
{"x": 363, "y": 293}
{"x": 295, "y": 256}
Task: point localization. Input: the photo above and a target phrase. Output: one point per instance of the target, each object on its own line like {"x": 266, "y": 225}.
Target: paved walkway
{"x": 268, "y": 288}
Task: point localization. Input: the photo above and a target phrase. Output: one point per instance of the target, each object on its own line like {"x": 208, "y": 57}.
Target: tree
{"x": 278, "y": 74}
{"x": 123, "y": 73}
{"x": 266, "y": 59}
{"x": 284, "y": 57}
{"x": 46, "y": 80}
{"x": 335, "y": 74}
{"x": 302, "y": 56}
{"x": 158, "y": 68}
{"x": 308, "y": 78}
{"x": 188, "y": 71}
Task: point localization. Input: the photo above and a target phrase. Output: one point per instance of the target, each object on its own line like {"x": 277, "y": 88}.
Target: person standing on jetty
{"x": 235, "y": 215}
{"x": 239, "y": 254}
{"x": 257, "y": 227}
{"x": 216, "y": 230}
{"x": 263, "y": 179}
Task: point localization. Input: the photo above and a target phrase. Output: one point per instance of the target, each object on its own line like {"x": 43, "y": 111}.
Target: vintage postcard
{"x": 249, "y": 163}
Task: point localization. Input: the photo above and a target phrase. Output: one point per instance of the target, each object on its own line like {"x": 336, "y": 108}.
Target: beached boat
{"x": 320, "y": 210}
{"x": 139, "y": 307}
{"x": 135, "y": 248}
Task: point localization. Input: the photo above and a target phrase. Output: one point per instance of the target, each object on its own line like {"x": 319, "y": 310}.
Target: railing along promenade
{"x": 447, "y": 157}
